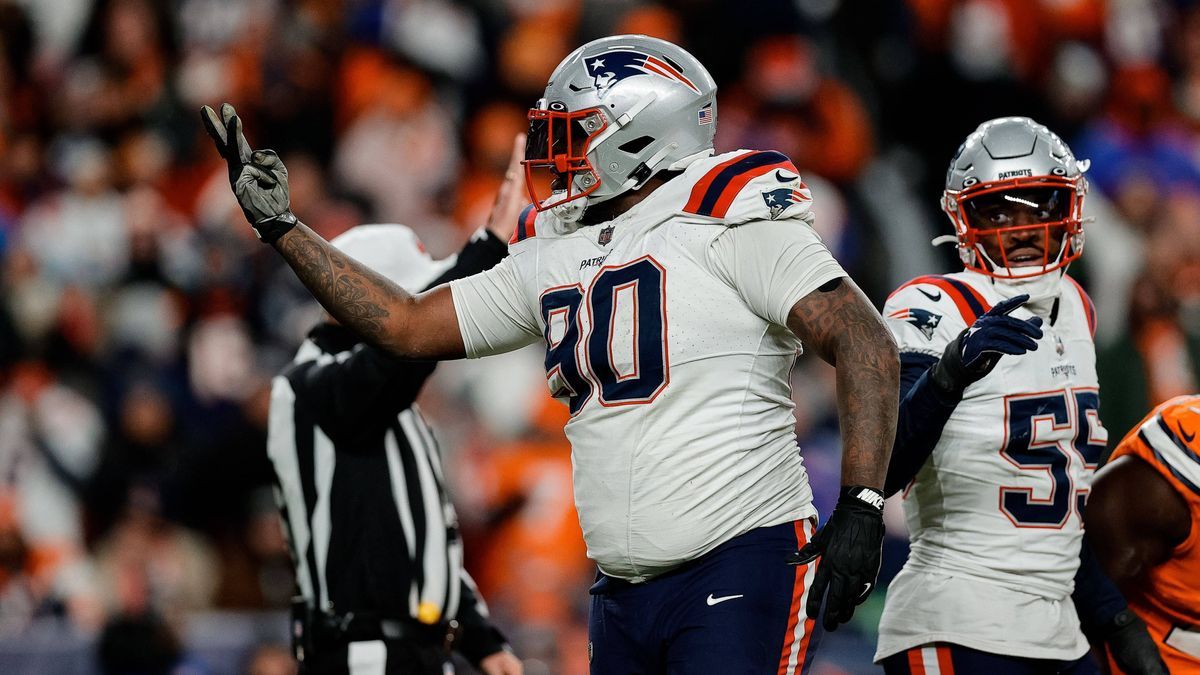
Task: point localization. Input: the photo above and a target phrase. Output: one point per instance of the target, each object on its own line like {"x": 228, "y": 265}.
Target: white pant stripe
{"x": 930, "y": 661}
{"x": 798, "y": 636}
{"x": 367, "y": 658}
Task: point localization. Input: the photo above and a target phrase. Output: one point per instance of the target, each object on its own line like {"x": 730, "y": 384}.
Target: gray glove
{"x": 258, "y": 177}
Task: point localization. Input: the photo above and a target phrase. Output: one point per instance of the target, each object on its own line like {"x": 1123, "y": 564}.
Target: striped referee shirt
{"x": 360, "y": 486}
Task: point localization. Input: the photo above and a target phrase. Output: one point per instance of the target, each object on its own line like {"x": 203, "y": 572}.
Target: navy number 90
{"x": 645, "y": 282}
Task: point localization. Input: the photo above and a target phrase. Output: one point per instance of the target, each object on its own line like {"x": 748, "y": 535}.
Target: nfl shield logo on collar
{"x": 605, "y": 236}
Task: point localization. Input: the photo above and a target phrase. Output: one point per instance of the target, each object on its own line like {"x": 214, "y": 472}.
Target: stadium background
{"x": 140, "y": 322}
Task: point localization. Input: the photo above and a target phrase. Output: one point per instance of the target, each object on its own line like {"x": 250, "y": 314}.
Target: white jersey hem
{"x": 888, "y": 647}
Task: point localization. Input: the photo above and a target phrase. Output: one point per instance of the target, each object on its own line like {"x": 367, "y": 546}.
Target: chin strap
{"x": 945, "y": 239}
{"x": 639, "y": 176}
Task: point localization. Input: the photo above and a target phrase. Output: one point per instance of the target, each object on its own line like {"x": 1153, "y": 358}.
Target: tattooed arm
{"x": 385, "y": 315}
{"x": 423, "y": 326}
{"x": 842, "y": 326}
{"x": 839, "y": 323}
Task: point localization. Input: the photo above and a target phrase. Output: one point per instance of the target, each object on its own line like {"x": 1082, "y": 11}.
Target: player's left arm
{"x": 1134, "y": 519}
{"x": 788, "y": 277}
{"x": 1108, "y": 622}
{"x": 841, "y": 325}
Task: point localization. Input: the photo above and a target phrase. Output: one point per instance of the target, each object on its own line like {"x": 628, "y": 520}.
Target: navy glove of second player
{"x": 975, "y": 352}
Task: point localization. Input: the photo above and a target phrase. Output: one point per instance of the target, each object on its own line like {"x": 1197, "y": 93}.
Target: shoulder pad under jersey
{"x": 925, "y": 314}
{"x": 746, "y": 185}
{"x": 1167, "y": 440}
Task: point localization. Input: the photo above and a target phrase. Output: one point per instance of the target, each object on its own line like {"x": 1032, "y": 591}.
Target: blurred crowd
{"x": 140, "y": 322}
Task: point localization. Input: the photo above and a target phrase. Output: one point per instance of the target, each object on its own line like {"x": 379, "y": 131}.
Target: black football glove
{"x": 849, "y": 545}
{"x": 1131, "y": 646}
{"x": 976, "y": 350}
{"x": 258, "y": 177}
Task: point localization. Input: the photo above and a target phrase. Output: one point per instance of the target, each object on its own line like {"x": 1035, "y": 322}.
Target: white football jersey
{"x": 994, "y": 514}
{"x": 665, "y": 334}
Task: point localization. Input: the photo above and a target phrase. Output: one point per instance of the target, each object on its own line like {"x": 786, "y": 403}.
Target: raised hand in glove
{"x": 258, "y": 177}
{"x": 1131, "y": 646}
{"x": 976, "y": 350}
{"x": 849, "y": 546}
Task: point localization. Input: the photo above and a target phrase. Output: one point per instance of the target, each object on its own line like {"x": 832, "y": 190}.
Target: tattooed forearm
{"x": 844, "y": 329}
{"x": 355, "y": 295}
{"x": 383, "y": 313}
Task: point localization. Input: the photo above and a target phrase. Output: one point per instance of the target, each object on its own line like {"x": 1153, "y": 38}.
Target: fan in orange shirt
{"x": 534, "y": 562}
{"x": 1143, "y": 521}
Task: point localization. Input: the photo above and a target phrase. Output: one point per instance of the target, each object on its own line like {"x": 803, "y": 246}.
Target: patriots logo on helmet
{"x": 925, "y": 321}
{"x": 779, "y": 199}
{"x": 611, "y": 67}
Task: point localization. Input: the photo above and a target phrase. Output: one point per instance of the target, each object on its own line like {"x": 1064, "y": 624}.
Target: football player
{"x": 999, "y": 430}
{"x": 672, "y": 290}
{"x": 1143, "y": 520}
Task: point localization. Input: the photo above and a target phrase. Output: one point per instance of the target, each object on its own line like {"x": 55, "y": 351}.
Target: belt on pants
{"x": 314, "y": 630}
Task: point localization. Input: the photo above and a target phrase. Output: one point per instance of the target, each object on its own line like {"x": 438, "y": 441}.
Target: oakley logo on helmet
{"x": 609, "y": 68}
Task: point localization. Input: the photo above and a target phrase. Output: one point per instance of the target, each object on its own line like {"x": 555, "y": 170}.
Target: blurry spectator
{"x": 793, "y": 107}
{"x": 140, "y": 458}
{"x": 489, "y": 136}
{"x": 397, "y": 147}
{"x": 534, "y": 562}
{"x": 127, "y": 54}
{"x": 49, "y": 442}
{"x": 531, "y": 48}
{"x": 80, "y": 234}
{"x": 440, "y": 36}
{"x": 147, "y": 565}
{"x": 144, "y": 644}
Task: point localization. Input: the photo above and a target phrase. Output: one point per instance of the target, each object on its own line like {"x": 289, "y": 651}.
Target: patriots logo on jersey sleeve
{"x": 925, "y": 321}
{"x": 611, "y": 67}
{"x": 779, "y": 199}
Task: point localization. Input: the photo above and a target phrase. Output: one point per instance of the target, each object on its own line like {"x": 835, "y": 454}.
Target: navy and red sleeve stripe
{"x": 713, "y": 194}
{"x": 970, "y": 302}
{"x": 525, "y": 228}
{"x": 1089, "y": 307}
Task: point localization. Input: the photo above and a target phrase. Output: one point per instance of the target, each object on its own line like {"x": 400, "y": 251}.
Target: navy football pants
{"x": 738, "y": 609}
{"x": 944, "y": 658}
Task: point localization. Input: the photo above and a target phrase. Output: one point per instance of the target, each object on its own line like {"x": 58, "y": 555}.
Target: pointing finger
{"x": 1009, "y": 305}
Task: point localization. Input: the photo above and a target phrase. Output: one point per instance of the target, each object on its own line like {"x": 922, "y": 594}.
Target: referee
{"x": 360, "y": 488}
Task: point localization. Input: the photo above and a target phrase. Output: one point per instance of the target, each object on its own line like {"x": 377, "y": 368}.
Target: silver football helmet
{"x": 616, "y": 111}
{"x": 1012, "y": 176}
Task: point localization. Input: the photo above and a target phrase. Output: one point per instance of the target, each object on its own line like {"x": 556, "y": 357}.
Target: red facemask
{"x": 1014, "y": 214}
{"x": 556, "y": 154}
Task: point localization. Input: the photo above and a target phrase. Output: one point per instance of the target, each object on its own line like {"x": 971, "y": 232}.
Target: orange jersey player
{"x": 1143, "y": 521}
